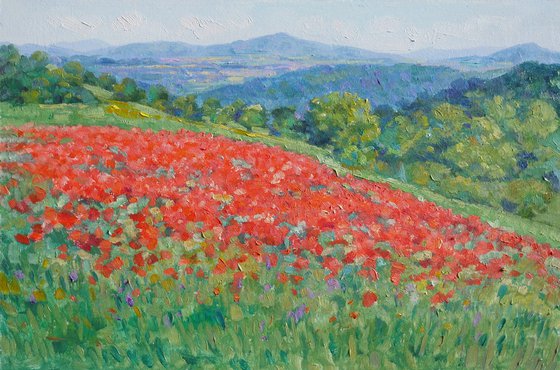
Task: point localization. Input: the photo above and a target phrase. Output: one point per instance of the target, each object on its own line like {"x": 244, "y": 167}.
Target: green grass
{"x": 73, "y": 114}
{"x": 184, "y": 324}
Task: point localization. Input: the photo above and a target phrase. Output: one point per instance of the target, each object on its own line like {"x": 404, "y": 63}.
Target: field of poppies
{"x": 133, "y": 248}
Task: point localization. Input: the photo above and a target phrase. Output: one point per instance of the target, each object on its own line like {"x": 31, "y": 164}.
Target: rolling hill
{"x": 382, "y": 85}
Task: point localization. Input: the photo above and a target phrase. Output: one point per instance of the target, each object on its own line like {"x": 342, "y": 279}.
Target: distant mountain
{"x": 284, "y": 45}
{"x": 150, "y": 50}
{"x": 52, "y": 50}
{"x": 526, "y": 53}
{"x": 394, "y": 85}
{"x": 515, "y": 55}
{"x": 279, "y": 45}
{"x": 82, "y": 46}
{"x": 431, "y": 54}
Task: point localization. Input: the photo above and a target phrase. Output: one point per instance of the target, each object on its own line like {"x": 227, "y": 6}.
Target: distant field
{"x": 195, "y": 75}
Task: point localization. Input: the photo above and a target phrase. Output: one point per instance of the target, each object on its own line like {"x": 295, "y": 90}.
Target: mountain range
{"x": 285, "y": 46}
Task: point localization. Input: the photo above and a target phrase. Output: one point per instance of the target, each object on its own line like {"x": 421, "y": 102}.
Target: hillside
{"x": 495, "y": 140}
{"x": 132, "y": 115}
{"x": 383, "y": 85}
{"x": 204, "y": 232}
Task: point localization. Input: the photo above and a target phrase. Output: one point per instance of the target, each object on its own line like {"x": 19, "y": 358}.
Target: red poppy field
{"x": 150, "y": 212}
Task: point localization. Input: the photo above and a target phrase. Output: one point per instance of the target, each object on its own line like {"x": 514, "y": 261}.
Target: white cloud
{"x": 129, "y": 22}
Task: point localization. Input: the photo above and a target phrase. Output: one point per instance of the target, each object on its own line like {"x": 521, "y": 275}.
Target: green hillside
{"x": 75, "y": 114}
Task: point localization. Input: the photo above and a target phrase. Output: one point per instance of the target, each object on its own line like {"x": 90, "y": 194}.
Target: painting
{"x": 276, "y": 184}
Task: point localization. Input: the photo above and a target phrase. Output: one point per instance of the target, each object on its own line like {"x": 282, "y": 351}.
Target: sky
{"x": 396, "y": 26}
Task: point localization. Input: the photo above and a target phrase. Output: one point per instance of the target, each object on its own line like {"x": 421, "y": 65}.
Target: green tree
{"x": 210, "y": 109}
{"x": 158, "y": 97}
{"x": 284, "y": 120}
{"x": 186, "y": 107}
{"x": 356, "y": 145}
{"x": 231, "y": 113}
{"x": 331, "y": 114}
{"x": 128, "y": 90}
{"x": 539, "y": 121}
{"x": 10, "y": 85}
{"x": 253, "y": 116}
{"x": 106, "y": 81}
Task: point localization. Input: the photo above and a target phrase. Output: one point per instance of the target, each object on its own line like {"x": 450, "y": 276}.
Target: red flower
{"x": 22, "y": 239}
{"x": 38, "y": 195}
{"x": 369, "y": 298}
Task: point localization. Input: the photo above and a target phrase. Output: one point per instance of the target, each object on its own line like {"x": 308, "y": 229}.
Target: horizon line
{"x": 110, "y": 45}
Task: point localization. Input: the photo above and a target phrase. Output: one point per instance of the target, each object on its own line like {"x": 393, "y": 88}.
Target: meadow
{"x": 129, "y": 248}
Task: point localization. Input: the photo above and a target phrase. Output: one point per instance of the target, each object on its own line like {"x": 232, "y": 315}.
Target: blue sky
{"x": 389, "y": 26}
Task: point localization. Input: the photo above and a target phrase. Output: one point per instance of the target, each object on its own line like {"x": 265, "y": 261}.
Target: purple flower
{"x": 19, "y": 275}
{"x": 73, "y": 276}
{"x": 129, "y": 300}
{"x": 310, "y": 293}
{"x": 268, "y": 263}
{"x": 267, "y": 287}
{"x": 297, "y": 314}
{"x": 476, "y": 319}
{"x": 333, "y": 284}
{"x": 32, "y": 299}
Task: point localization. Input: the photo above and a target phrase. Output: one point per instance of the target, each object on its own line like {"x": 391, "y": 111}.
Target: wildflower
{"x": 476, "y": 319}
{"x": 73, "y": 276}
{"x": 129, "y": 300}
{"x": 333, "y": 284}
{"x": 297, "y": 315}
{"x": 19, "y": 275}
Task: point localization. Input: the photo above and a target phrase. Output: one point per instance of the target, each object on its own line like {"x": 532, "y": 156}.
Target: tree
{"x": 331, "y": 114}
{"x": 106, "y": 81}
{"x": 231, "y": 113}
{"x": 128, "y": 90}
{"x": 403, "y": 138}
{"x": 186, "y": 107}
{"x": 210, "y": 109}
{"x": 284, "y": 120}
{"x": 253, "y": 116}
{"x": 10, "y": 85}
{"x": 158, "y": 97}
{"x": 356, "y": 145}
{"x": 539, "y": 121}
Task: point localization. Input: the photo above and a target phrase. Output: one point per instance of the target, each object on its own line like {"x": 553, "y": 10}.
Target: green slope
{"x": 129, "y": 115}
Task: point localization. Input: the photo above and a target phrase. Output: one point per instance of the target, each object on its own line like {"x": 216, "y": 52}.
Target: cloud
{"x": 128, "y": 22}
{"x": 210, "y": 28}
{"x": 74, "y": 24}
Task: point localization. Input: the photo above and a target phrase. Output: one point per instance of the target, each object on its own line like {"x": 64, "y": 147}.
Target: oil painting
{"x": 279, "y": 184}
